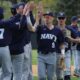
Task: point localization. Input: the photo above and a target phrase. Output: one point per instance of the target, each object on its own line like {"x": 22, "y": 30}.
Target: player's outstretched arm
{"x": 28, "y": 22}
{"x": 25, "y": 20}
{"x": 9, "y": 23}
{"x": 76, "y": 40}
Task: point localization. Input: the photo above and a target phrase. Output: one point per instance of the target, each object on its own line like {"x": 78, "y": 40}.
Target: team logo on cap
{"x": 61, "y": 14}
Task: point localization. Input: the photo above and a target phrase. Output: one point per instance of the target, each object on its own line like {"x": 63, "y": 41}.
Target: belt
{"x": 46, "y": 52}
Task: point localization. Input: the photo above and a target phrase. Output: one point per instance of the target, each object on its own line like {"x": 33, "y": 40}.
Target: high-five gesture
{"x": 32, "y": 5}
{"x": 40, "y": 10}
{"x": 26, "y": 9}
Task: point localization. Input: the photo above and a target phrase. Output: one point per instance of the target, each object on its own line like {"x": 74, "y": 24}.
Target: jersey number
{"x": 1, "y": 33}
{"x": 53, "y": 45}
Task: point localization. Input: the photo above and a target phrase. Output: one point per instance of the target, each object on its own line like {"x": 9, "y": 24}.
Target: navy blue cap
{"x": 1, "y": 10}
{"x": 20, "y": 4}
{"x": 13, "y": 9}
{"x": 49, "y": 14}
{"x": 74, "y": 18}
{"x": 61, "y": 14}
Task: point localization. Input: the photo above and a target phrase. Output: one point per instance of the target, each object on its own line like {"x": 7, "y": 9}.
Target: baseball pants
{"x": 47, "y": 66}
{"x": 6, "y": 64}
{"x": 67, "y": 63}
{"x": 59, "y": 70}
{"x": 27, "y": 64}
{"x": 17, "y": 66}
{"x": 79, "y": 62}
{"x": 75, "y": 58}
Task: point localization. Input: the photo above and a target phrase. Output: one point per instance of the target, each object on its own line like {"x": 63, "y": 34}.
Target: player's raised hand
{"x": 39, "y": 13}
{"x": 40, "y": 9}
{"x": 26, "y": 9}
{"x": 32, "y": 5}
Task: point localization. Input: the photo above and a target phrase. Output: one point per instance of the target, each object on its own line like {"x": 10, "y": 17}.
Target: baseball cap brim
{"x": 74, "y": 18}
{"x": 20, "y": 4}
{"x": 61, "y": 14}
{"x": 49, "y": 14}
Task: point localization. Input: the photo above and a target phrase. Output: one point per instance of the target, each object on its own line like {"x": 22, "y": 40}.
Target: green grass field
{"x": 34, "y": 57}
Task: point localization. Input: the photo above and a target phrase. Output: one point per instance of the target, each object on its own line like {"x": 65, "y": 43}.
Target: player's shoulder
{"x": 69, "y": 27}
{"x": 40, "y": 26}
{"x": 57, "y": 29}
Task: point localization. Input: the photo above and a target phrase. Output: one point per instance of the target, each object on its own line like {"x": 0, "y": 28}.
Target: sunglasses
{"x": 61, "y": 18}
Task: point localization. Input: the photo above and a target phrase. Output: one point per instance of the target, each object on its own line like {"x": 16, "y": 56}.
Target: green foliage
{"x": 74, "y": 78}
{"x": 70, "y": 7}
{"x": 6, "y": 5}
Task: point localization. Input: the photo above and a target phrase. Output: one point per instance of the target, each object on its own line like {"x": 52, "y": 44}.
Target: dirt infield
{"x": 35, "y": 73}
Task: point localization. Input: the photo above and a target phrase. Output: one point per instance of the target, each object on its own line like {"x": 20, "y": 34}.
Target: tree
{"x": 13, "y": 1}
{"x": 70, "y": 7}
{"x": 25, "y": 0}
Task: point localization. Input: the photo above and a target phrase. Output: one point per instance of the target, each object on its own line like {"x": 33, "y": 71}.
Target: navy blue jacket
{"x": 6, "y": 27}
{"x": 78, "y": 45}
{"x": 73, "y": 34}
{"x": 18, "y": 39}
{"x": 24, "y": 24}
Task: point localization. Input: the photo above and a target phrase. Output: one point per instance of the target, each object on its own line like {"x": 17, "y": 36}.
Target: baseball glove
{"x": 62, "y": 63}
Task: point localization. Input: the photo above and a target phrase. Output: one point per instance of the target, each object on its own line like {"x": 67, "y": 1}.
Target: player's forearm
{"x": 12, "y": 23}
{"x": 77, "y": 40}
{"x": 62, "y": 48}
{"x": 30, "y": 26}
{"x": 23, "y": 21}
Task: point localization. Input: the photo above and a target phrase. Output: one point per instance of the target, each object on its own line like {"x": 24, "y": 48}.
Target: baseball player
{"x": 16, "y": 49}
{"x": 74, "y": 25}
{"x": 61, "y": 18}
{"x": 78, "y": 49}
{"x": 59, "y": 69}
{"x": 4, "y": 52}
{"x": 45, "y": 56}
{"x": 13, "y": 12}
{"x": 48, "y": 38}
{"x": 16, "y": 46}
{"x": 27, "y": 67}
{"x": 6, "y": 27}
{"x": 78, "y": 52}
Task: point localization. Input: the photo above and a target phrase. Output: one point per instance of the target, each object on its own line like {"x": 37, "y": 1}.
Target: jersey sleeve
{"x": 23, "y": 22}
{"x": 39, "y": 28}
{"x": 61, "y": 38}
{"x": 60, "y": 41}
{"x": 74, "y": 33}
{"x": 10, "y": 23}
{"x": 32, "y": 18}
